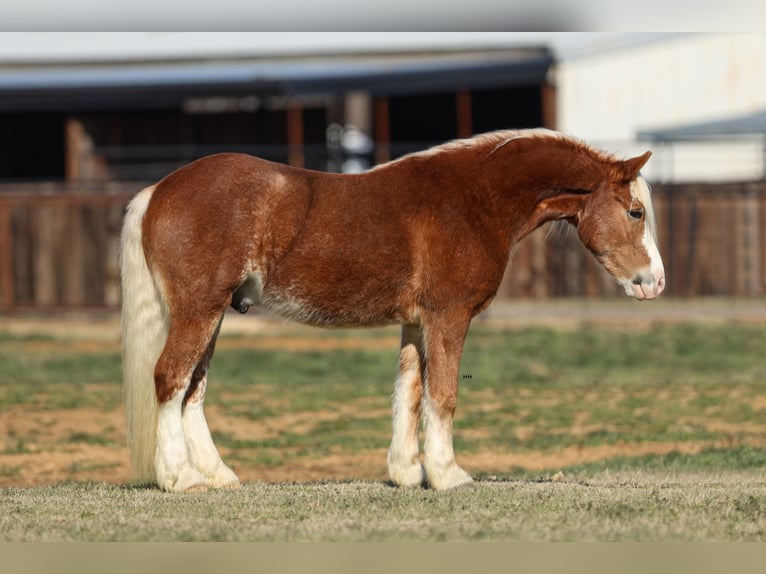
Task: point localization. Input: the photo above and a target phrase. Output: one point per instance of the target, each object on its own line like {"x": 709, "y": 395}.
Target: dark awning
{"x": 150, "y": 85}
{"x": 752, "y": 124}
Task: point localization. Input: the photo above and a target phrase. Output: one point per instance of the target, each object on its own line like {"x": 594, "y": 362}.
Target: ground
{"x": 40, "y": 449}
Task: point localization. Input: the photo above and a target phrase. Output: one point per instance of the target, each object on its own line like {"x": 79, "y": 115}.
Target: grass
{"x": 698, "y": 391}
{"x": 634, "y": 506}
{"x": 526, "y": 389}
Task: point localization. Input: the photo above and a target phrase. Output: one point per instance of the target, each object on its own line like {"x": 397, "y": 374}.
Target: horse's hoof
{"x": 189, "y": 479}
{"x": 196, "y": 488}
{"x": 451, "y": 477}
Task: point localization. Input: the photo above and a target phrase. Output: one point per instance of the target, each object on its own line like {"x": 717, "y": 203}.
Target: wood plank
{"x": 548, "y": 105}
{"x": 295, "y": 139}
{"x": 72, "y": 257}
{"x": 464, "y": 113}
{"x": 6, "y": 259}
{"x": 44, "y": 269}
{"x": 382, "y": 130}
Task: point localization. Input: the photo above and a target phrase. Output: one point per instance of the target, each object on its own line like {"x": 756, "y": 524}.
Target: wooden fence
{"x": 59, "y": 247}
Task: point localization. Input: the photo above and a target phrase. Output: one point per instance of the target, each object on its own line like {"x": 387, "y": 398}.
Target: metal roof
{"x": 751, "y": 124}
{"x": 147, "y": 85}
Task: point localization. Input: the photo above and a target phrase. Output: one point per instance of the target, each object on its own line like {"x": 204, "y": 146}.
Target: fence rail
{"x": 59, "y": 247}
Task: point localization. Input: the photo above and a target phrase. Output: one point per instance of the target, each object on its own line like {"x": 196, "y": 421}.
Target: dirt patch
{"x": 299, "y": 422}
{"x": 309, "y": 343}
{"x": 87, "y": 444}
{"x": 286, "y": 343}
{"x": 50, "y": 446}
{"x": 44, "y": 447}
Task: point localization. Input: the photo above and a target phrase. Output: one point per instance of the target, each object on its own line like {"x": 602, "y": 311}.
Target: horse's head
{"x": 617, "y": 224}
{"x": 615, "y": 221}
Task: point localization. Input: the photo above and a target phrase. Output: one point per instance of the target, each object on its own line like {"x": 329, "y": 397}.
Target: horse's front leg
{"x": 443, "y": 349}
{"x": 404, "y": 466}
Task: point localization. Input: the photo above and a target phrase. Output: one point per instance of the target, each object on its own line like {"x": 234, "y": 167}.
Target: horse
{"x": 421, "y": 241}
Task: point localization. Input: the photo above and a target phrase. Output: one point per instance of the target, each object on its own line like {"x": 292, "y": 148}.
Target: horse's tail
{"x": 144, "y": 332}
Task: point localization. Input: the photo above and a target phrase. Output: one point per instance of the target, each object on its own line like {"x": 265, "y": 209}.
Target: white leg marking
{"x": 404, "y": 466}
{"x": 202, "y": 452}
{"x": 174, "y": 471}
{"x": 442, "y": 470}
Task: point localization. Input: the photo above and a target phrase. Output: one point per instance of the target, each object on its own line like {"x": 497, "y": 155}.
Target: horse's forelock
{"x": 640, "y": 189}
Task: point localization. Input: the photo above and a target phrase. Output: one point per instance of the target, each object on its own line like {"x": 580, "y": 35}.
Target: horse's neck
{"x": 523, "y": 185}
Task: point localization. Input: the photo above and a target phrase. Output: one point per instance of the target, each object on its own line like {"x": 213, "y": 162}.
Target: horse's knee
{"x": 182, "y": 366}
{"x": 195, "y": 392}
{"x": 442, "y": 399}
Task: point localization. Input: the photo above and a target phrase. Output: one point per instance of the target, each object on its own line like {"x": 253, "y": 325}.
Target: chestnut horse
{"x": 421, "y": 241}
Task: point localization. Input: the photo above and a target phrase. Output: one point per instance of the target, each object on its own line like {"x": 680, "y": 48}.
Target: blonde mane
{"x": 496, "y": 140}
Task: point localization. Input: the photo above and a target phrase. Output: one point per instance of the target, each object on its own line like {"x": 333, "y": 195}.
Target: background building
{"x": 87, "y": 119}
{"x": 154, "y": 102}
{"x": 699, "y": 100}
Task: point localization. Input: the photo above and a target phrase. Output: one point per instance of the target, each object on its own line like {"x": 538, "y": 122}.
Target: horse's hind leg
{"x": 404, "y": 466}
{"x": 188, "y": 342}
{"x": 199, "y": 444}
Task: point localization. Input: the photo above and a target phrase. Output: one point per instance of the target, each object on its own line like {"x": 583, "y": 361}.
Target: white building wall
{"x": 609, "y": 94}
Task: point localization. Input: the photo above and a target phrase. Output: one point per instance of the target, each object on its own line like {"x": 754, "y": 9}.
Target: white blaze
{"x": 653, "y": 281}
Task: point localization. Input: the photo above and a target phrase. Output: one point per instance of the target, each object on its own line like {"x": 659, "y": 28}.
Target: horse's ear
{"x": 628, "y": 170}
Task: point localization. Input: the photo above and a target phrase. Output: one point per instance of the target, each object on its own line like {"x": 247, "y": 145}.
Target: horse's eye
{"x": 636, "y": 213}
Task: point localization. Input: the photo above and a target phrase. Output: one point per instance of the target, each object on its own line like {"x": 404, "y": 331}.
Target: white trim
{"x": 174, "y": 471}
{"x": 404, "y": 466}
{"x": 439, "y": 460}
{"x": 202, "y": 451}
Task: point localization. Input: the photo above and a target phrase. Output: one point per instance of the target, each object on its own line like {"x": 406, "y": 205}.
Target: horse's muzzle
{"x": 646, "y": 286}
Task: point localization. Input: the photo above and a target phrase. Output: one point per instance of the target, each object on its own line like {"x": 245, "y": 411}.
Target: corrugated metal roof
{"x": 166, "y": 84}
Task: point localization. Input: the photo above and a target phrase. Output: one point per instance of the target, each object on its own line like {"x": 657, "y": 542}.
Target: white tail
{"x": 144, "y": 332}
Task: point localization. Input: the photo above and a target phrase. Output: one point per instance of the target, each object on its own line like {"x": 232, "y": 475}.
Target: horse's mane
{"x": 496, "y": 140}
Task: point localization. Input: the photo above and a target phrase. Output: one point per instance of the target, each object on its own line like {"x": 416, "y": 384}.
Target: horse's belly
{"x": 337, "y": 305}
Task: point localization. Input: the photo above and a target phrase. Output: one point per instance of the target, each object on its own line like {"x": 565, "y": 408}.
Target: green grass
{"x": 592, "y": 356}
{"x": 664, "y": 384}
{"x": 522, "y": 391}
{"x": 712, "y": 460}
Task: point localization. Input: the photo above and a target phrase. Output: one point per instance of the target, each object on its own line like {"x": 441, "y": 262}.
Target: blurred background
{"x": 88, "y": 119}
